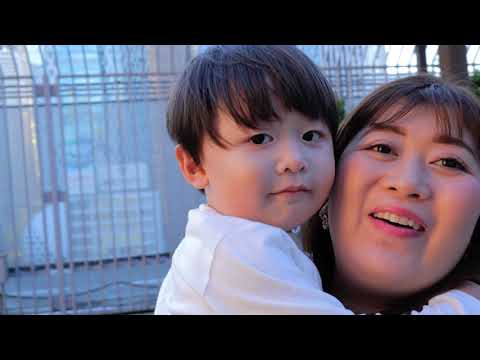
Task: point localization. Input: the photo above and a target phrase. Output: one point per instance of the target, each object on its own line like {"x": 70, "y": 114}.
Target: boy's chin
{"x": 287, "y": 226}
{"x": 290, "y": 223}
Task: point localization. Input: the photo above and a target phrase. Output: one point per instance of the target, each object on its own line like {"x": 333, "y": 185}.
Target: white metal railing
{"x": 355, "y": 70}
{"x": 93, "y": 203}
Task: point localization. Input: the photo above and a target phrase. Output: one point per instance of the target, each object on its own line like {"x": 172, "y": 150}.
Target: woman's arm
{"x": 470, "y": 287}
{"x": 464, "y": 300}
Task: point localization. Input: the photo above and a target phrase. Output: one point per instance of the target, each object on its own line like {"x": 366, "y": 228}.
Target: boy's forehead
{"x": 224, "y": 120}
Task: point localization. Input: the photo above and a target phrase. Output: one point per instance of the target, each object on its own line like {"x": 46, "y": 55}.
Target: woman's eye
{"x": 312, "y": 136}
{"x": 260, "y": 139}
{"x": 451, "y": 163}
{"x": 381, "y": 148}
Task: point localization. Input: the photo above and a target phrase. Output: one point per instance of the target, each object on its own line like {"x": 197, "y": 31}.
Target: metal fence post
{"x": 3, "y": 279}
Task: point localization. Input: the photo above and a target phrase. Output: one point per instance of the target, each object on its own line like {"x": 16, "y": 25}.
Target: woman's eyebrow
{"x": 439, "y": 139}
{"x": 450, "y": 140}
{"x": 386, "y": 127}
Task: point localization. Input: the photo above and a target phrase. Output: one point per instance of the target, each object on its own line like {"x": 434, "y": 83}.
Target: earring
{"x": 296, "y": 230}
{"x": 324, "y": 216}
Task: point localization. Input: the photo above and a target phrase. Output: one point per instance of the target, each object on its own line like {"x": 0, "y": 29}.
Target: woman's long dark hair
{"x": 456, "y": 109}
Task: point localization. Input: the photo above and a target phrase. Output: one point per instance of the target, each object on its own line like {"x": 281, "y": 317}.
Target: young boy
{"x": 254, "y": 128}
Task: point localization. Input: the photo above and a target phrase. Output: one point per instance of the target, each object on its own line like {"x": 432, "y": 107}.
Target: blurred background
{"x": 92, "y": 204}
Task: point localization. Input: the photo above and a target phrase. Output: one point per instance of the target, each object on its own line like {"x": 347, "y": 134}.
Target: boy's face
{"x": 278, "y": 175}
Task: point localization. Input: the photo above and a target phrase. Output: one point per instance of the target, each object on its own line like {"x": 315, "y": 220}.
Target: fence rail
{"x": 94, "y": 206}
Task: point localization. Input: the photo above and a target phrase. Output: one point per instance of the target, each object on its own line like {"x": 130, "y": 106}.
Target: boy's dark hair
{"x": 456, "y": 110}
{"x": 240, "y": 80}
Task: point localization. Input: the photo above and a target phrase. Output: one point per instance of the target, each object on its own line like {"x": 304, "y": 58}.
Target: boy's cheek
{"x": 324, "y": 168}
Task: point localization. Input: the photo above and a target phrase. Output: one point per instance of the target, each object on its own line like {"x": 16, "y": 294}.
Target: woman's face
{"x": 404, "y": 205}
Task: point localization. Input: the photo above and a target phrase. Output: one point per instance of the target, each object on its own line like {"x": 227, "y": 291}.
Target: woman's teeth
{"x": 397, "y": 219}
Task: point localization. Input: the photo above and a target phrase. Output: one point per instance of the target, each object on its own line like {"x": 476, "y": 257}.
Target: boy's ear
{"x": 192, "y": 172}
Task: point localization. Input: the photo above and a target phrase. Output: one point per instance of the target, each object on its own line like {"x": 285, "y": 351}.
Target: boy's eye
{"x": 260, "y": 139}
{"x": 312, "y": 136}
{"x": 451, "y": 163}
{"x": 381, "y": 148}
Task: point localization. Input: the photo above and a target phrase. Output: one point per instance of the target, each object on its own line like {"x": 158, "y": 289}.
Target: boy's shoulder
{"x": 207, "y": 231}
{"x": 214, "y": 228}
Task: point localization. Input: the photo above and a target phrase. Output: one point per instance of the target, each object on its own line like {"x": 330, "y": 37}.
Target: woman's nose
{"x": 409, "y": 179}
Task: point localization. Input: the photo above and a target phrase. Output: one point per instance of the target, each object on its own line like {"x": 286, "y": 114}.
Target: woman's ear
{"x": 192, "y": 172}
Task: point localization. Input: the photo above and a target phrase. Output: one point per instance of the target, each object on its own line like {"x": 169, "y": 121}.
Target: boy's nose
{"x": 292, "y": 161}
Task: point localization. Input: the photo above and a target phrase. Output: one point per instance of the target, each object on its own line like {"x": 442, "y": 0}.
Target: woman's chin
{"x": 404, "y": 286}
{"x": 379, "y": 280}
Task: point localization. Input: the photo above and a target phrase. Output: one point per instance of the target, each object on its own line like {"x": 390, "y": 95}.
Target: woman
{"x": 403, "y": 213}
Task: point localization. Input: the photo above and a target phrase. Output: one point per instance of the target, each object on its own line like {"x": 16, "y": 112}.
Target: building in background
{"x": 353, "y": 70}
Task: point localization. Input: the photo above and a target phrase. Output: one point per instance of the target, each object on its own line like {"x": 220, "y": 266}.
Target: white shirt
{"x": 229, "y": 265}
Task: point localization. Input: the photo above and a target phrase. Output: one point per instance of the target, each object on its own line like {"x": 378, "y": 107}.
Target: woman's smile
{"x": 394, "y": 228}
{"x": 397, "y": 221}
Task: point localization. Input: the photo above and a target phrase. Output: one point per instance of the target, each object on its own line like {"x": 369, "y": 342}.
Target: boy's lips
{"x": 291, "y": 189}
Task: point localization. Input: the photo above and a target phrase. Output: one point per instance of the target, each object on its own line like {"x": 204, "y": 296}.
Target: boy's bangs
{"x": 248, "y": 99}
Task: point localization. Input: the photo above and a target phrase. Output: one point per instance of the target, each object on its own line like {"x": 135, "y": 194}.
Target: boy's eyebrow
{"x": 438, "y": 139}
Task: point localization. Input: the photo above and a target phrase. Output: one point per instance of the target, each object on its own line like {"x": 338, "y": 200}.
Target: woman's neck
{"x": 356, "y": 299}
